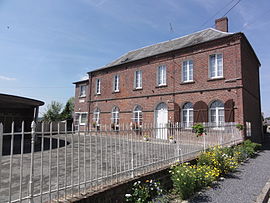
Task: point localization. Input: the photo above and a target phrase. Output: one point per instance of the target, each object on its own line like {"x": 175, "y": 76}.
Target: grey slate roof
{"x": 163, "y": 47}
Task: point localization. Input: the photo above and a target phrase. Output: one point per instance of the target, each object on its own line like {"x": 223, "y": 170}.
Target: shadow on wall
{"x": 27, "y": 144}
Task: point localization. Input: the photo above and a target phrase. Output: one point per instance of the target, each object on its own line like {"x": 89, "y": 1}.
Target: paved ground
{"x": 243, "y": 186}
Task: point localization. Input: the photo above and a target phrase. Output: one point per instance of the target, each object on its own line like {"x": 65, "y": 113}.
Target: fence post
{"x": 204, "y": 138}
{"x": 1, "y": 148}
{"x": 31, "y": 185}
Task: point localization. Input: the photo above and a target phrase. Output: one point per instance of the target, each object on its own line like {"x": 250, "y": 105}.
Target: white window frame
{"x": 137, "y": 115}
{"x": 116, "y": 82}
{"x": 161, "y": 75}
{"x": 189, "y": 67}
{"x": 115, "y": 115}
{"x": 215, "y": 68}
{"x": 96, "y": 116}
{"x": 98, "y": 86}
{"x": 80, "y": 118}
{"x": 188, "y": 123}
{"x": 82, "y": 91}
{"x": 138, "y": 79}
{"x": 217, "y": 123}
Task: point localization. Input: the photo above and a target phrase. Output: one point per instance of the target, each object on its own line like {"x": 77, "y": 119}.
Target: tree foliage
{"x": 55, "y": 111}
{"x": 67, "y": 112}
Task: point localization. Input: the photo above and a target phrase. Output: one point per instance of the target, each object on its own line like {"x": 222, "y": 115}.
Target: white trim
{"x": 80, "y": 90}
{"x": 98, "y": 86}
{"x": 116, "y": 86}
{"x": 161, "y": 75}
{"x": 188, "y": 71}
{"x": 80, "y": 117}
{"x": 215, "y": 66}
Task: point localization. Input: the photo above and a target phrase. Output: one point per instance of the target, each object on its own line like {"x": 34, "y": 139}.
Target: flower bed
{"x": 188, "y": 179}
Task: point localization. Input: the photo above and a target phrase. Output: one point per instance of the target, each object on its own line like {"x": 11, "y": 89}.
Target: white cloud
{"x": 6, "y": 78}
{"x": 85, "y": 77}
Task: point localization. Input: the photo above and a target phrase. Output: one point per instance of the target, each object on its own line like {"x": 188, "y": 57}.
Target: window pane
{"x": 161, "y": 75}
{"x": 220, "y": 65}
{"x": 190, "y": 70}
{"x": 212, "y": 66}
{"x": 213, "y": 116}
{"x": 184, "y": 73}
{"x": 83, "y": 118}
{"x": 83, "y": 90}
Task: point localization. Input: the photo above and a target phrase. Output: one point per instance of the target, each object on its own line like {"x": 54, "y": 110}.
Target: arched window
{"x": 216, "y": 113}
{"x": 187, "y": 115}
{"x": 137, "y": 115}
{"x": 96, "y": 116}
{"x": 115, "y": 115}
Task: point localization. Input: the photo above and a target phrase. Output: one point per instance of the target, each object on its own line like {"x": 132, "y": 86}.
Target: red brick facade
{"x": 239, "y": 85}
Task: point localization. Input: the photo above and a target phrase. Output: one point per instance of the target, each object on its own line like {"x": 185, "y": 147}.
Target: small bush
{"x": 250, "y": 147}
{"x": 184, "y": 180}
{"x": 219, "y": 158}
{"x": 144, "y": 191}
{"x": 188, "y": 179}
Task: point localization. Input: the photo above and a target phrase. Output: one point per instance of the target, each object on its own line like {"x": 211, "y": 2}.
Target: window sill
{"x": 97, "y": 94}
{"x": 214, "y": 79}
{"x": 114, "y": 92}
{"x": 137, "y": 89}
{"x": 188, "y": 82}
{"x": 83, "y": 96}
{"x": 160, "y": 86}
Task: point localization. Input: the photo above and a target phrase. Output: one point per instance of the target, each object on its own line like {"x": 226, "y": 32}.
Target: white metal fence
{"x": 53, "y": 164}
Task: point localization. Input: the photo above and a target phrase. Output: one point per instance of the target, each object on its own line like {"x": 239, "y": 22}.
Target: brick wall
{"x": 175, "y": 92}
{"x": 251, "y": 91}
{"x": 240, "y": 67}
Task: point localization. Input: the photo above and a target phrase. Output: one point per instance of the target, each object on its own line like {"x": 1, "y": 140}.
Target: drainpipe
{"x": 89, "y": 99}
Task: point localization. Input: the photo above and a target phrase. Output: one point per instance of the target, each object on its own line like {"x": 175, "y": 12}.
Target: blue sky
{"x": 46, "y": 45}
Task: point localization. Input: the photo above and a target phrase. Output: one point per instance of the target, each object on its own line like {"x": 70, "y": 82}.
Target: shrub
{"x": 219, "y": 158}
{"x": 205, "y": 175}
{"x": 184, "y": 180}
{"x": 144, "y": 191}
{"x": 188, "y": 179}
{"x": 198, "y": 129}
{"x": 240, "y": 127}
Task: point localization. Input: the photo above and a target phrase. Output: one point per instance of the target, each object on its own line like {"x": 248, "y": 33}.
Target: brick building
{"x": 207, "y": 76}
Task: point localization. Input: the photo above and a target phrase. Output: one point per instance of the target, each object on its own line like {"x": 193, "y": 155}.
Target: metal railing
{"x": 53, "y": 164}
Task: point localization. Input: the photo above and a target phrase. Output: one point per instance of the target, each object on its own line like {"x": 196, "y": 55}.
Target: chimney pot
{"x": 222, "y": 24}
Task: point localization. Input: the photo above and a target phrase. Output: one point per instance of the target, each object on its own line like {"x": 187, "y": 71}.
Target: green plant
{"x": 187, "y": 179}
{"x": 239, "y": 126}
{"x": 143, "y": 192}
{"x": 217, "y": 157}
{"x": 184, "y": 180}
{"x": 250, "y": 147}
{"x": 198, "y": 129}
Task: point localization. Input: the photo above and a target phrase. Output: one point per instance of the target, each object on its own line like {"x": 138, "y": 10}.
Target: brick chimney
{"x": 222, "y": 24}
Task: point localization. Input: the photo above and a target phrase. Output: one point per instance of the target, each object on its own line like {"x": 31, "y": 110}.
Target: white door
{"x": 161, "y": 121}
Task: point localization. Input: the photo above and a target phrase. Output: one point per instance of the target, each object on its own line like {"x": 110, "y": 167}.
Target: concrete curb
{"x": 264, "y": 195}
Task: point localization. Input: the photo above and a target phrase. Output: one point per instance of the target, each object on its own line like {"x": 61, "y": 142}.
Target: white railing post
{"x": 1, "y": 148}
{"x": 204, "y": 140}
{"x": 31, "y": 185}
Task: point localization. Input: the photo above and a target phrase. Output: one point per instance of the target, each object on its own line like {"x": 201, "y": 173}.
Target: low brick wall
{"x": 116, "y": 193}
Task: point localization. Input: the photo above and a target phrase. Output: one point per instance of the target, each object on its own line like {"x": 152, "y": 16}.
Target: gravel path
{"x": 242, "y": 186}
